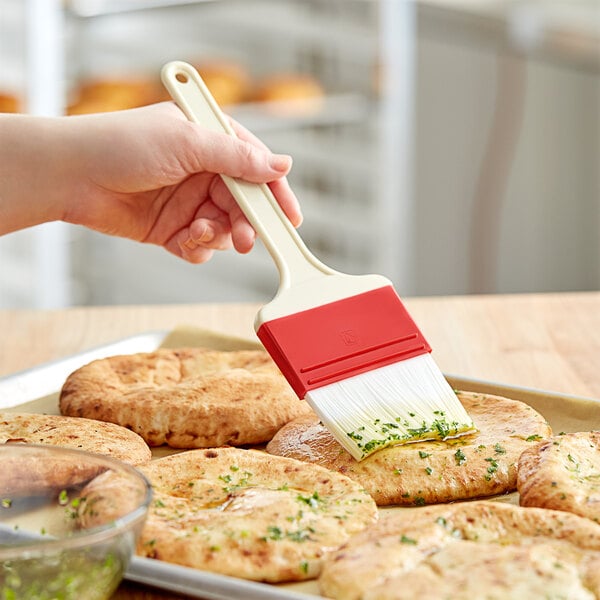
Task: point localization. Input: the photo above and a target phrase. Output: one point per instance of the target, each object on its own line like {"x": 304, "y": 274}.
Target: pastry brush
{"x": 345, "y": 343}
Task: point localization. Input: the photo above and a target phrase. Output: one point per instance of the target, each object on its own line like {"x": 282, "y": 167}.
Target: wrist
{"x": 32, "y": 172}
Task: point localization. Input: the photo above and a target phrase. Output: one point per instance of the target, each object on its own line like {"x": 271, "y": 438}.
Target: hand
{"x": 150, "y": 175}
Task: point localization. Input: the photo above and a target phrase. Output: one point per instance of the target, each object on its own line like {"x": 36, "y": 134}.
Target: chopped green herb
{"x": 6, "y": 502}
{"x": 312, "y": 501}
{"x": 423, "y": 454}
{"x": 499, "y": 449}
{"x": 428, "y": 470}
{"x": 406, "y": 540}
{"x": 492, "y": 468}
{"x": 460, "y": 457}
{"x": 533, "y": 438}
{"x": 274, "y": 533}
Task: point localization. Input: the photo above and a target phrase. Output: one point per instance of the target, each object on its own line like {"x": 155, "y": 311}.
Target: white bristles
{"x": 407, "y": 401}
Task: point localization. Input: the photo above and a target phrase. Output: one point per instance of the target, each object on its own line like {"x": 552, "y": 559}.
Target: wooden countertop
{"x": 545, "y": 341}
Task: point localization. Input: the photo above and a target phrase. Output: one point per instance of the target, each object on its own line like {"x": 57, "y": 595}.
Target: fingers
{"x": 280, "y": 187}
{"x": 287, "y": 200}
{"x": 197, "y": 243}
{"x": 221, "y": 153}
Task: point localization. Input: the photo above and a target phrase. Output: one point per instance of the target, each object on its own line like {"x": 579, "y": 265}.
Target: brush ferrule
{"x": 322, "y": 345}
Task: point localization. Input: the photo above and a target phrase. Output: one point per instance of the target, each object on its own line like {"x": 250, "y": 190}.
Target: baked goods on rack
{"x": 468, "y": 550}
{"x": 9, "y": 103}
{"x": 288, "y": 86}
{"x": 563, "y": 473}
{"x": 228, "y": 81}
{"x": 186, "y": 398}
{"x": 110, "y": 94}
{"x": 471, "y": 466}
{"x": 245, "y": 513}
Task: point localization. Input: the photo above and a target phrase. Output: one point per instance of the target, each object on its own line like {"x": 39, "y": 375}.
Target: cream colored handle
{"x": 294, "y": 261}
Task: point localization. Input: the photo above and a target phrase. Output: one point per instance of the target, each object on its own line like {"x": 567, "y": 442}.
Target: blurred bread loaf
{"x": 9, "y": 103}
{"x": 228, "y": 81}
{"x": 288, "y": 86}
{"x": 109, "y": 94}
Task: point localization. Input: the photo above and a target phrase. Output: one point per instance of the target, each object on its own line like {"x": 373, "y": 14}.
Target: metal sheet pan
{"x": 36, "y": 390}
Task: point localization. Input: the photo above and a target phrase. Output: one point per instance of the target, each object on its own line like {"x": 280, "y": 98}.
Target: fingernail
{"x": 281, "y": 162}
{"x": 207, "y": 235}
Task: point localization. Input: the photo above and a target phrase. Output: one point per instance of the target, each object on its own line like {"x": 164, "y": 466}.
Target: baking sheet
{"x": 36, "y": 390}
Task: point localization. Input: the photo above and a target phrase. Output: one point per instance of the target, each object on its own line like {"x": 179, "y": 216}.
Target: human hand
{"x": 150, "y": 175}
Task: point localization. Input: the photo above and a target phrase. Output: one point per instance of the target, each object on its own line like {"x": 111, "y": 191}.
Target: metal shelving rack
{"x": 352, "y": 157}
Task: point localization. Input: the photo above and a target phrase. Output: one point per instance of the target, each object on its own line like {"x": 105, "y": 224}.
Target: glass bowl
{"x": 60, "y": 538}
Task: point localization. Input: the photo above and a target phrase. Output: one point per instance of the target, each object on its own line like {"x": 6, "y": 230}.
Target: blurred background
{"x": 451, "y": 145}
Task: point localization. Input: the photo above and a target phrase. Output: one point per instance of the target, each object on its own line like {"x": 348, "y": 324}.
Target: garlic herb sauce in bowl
{"x": 47, "y": 549}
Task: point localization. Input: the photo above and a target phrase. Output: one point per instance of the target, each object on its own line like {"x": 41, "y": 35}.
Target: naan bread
{"x": 247, "y": 514}
{"x": 563, "y": 473}
{"x": 82, "y": 434}
{"x": 28, "y": 474}
{"x": 468, "y": 550}
{"x": 186, "y": 398}
{"x": 477, "y": 465}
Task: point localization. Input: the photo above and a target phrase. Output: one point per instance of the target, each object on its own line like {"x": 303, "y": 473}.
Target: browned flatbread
{"x": 82, "y": 434}
{"x": 41, "y": 473}
{"x": 468, "y": 550}
{"x": 477, "y": 465}
{"x": 248, "y": 514}
{"x": 106, "y": 498}
{"x": 186, "y": 398}
{"x": 563, "y": 473}
{"x": 26, "y": 474}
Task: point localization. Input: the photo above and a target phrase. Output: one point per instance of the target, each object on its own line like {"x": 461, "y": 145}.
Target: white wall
{"x": 544, "y": 175}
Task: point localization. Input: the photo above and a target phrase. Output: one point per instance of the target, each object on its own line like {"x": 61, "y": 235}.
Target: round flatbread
{"x": 82, "y": 434}
{"x": 562, "y": 473}
{"x": 186, "y": 398}
{"x": 468, "y": 550}
{"x": 477, "y": 465}
{"x": 250, "y": 515}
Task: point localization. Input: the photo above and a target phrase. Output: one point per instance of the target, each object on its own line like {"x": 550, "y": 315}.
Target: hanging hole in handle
{"x": 182, "y": 77}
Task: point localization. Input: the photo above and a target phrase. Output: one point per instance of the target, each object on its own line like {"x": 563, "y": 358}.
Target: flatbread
{"x": 477, "y": 465}
{"x": 107, "y": 497}
{"x": 186, "y": 398}
{"x": 468, "y": 550}
{"x": 247, "y": 514}
{"x": 563, "y": 473}
{"x": 82, "y": 434}
{"x": 43, "y": 471}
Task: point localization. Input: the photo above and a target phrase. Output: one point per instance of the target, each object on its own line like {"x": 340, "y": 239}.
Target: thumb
{"x": 221, "y": 153}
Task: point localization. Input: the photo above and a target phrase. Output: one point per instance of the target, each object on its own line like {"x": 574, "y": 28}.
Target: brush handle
{"x": 294, "y": 261}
